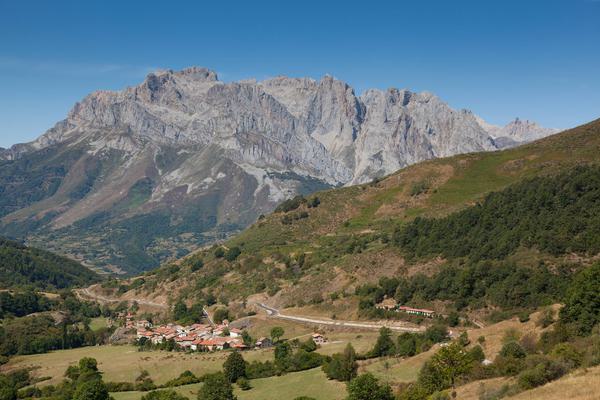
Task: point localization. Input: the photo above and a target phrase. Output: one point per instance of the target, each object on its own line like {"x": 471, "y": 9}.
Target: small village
{"x": 200, "y": 337}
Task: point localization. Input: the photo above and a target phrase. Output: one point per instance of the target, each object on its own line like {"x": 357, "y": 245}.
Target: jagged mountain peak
{"x": 516, "y": 132}
{"x": 187, "y": 154}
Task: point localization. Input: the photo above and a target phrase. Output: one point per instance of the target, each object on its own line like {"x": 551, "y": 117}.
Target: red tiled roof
{"x": 185, "y": 338}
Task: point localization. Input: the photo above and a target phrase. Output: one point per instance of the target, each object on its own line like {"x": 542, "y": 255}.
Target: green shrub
{"x": 512, "y": 350}
{"x": 244, "y": 383}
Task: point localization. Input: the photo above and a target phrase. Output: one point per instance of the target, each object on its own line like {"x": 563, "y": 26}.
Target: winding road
{"x": 85, "y": 293}
{"x": 274, "y": 313}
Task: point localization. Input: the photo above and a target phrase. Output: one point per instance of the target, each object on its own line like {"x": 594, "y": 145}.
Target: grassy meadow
{"x": 312, "y": 383}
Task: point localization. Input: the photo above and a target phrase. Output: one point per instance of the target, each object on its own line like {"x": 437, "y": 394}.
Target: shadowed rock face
{"x": 182, "y": 159}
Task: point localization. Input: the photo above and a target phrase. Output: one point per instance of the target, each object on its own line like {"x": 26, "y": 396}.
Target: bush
{"x": 164, "y": 395}
{"x": 477, "y": 354}
{"x": 567, "y": 354}
{"x": 244, "y": 383}
{"x": 232, "y": 253}
{"x": 120, "y": 386}
{"x": 186, "y": 378}
{"x": 523, "y": 316}
{"x": 290, "y": 204}
{"x": 542, "y": 373}
{"x": 512, "y": 350}
{"x": 219, "y": 252}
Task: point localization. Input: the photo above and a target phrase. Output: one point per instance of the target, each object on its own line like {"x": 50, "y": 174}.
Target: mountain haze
{"x": 134, "y": 177}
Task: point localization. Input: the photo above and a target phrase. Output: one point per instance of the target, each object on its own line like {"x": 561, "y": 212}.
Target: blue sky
{"x": 536, "y": 59}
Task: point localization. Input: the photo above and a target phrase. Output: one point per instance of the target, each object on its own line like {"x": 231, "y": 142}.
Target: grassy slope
{"x": 312, "y": 383}
{"x": 364, "y": 212}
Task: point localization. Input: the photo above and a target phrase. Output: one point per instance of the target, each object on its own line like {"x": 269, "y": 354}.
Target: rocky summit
{"x": 135, "y": 177}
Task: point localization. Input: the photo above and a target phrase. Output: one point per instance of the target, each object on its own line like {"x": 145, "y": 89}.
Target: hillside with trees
{"x": 515, "y": 217}
{"x": 21, "y": 266}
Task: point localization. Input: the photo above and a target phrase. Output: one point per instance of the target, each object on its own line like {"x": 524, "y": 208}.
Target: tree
{"x": 436, "y": 333}
{"x": 276, "y": 333}
{"x": 453, "y": 319}
{"x": 283, "y": 353}
{"x": 477, "y": 354}
{"x": 445, "y": 366}
{"x": 88, "y": 370}
{"x": 91, "y": 390}
{"x": 180, "y": 310}
{"x": 367, "y": 387}
{"x": 220, "y": 315}
{"x": 216, "y": 387}
{"x": 234, "y": 367}
{"x": 407, "y": 345}
{"x": 385, "y": 344}
{"x": 342, "y": 367}
{"x": 248, "y": 340}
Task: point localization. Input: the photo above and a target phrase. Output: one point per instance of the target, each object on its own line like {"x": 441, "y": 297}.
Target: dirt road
{"x": 274, "y": 313}
{"x": 86, "y": 294}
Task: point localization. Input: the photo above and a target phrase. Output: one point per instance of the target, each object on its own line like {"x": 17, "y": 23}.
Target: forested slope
{"x": 27, "y": 266}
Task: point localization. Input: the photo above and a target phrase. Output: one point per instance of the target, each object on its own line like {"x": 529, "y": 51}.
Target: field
{"x": 124, "y": 363}
{"x": 260, "y": 326}
{"x": 397, "y": 370}
{"x": 98, "y": 323}
{"x": 312, "y": 383}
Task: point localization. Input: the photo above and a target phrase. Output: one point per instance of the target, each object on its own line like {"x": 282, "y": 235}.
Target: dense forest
{"x": 555, "y": 214}
{"x": 500, "y": 284}
{"x": 27, "y": 266}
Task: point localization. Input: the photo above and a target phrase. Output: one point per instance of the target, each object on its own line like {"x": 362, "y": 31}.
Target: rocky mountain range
{"x": 131, "y": 178}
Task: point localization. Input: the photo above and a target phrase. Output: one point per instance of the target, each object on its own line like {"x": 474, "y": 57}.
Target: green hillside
{"x": 318, "y": 251}
{"x": 27, "y": 266}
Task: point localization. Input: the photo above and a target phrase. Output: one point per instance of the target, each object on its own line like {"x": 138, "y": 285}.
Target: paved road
{"x": 86, "y": 293}
{"x": 274, "y": 313}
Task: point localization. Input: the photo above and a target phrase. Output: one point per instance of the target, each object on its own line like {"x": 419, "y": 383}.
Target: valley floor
{"x": 125, "y": 363}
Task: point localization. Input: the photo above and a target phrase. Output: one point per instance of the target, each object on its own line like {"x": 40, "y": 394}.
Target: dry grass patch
{"x": 579, "y": 385}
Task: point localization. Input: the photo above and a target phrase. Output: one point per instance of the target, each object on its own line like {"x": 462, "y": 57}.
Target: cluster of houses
{"x": 197, "y": 337}
{"x": 391, "y": 305}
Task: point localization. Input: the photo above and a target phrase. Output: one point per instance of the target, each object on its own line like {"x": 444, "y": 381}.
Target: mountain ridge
{"x": 197, "y": 159}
